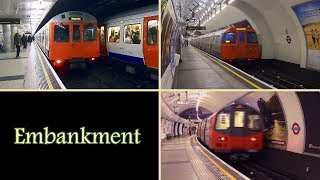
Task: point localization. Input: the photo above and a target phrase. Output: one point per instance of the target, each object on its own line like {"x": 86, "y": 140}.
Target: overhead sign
{"x": 193, "y": 28}
{"x": 182, "y": 102}
{"x": 75, "y": 18}
{"x": 191, "y": 20}
{"x": 9, "y": 20}
{"x": 288, "y": 39}
{"x": 296, "y": 128}
{"x": 241, "y": 29}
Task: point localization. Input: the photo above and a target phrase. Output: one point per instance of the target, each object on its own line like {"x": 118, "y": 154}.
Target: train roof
{"x": 75, "y": 16}
{"x": 151, "y": 10}
{"x": 224, "y": 29}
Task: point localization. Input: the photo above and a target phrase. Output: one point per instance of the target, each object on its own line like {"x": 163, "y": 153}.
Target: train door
{"x": 241, "y": 44}
{"x": 76, "y": 41}
{"x": 150, "y": 42}
{"x": 238, "y": 129}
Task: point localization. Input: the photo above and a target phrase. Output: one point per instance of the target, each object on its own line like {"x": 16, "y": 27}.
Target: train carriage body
{"x": 134, "y": 39}
{"x": 230, "y": 44}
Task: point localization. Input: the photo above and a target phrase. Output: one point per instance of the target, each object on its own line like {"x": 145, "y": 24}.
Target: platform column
{"x": 14, "y": 30}
{"x": 6, "y": 37}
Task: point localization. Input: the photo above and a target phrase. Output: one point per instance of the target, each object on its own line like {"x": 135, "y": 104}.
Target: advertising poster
{"x": 309, "y": 16}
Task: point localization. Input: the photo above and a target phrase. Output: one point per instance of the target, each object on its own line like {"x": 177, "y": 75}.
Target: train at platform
{"x": 231, "y": 44}
{"x": 236, "y": 128}
{"x": 69, "y": 38}
{"x": 132, "y": 38}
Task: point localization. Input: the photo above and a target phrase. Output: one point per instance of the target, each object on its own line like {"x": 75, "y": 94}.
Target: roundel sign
{"x": 296, "y": 128}
{"x": 289, "y": 40}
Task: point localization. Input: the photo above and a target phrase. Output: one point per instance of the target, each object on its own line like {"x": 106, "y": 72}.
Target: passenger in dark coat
{"x": 17, "y": 43}
{"x": 29, "y": 39}
{"x": 24, "y": 41}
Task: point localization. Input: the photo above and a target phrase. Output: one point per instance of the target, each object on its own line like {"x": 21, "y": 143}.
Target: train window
{"x": 89, "y": 32}
{"x": 239, "y": 120}
{"x": 252, "y": 37}
{"x": 228, "y": 38}
{"x": 255, "y": 122}
{"x": 61, "y": 33}
{"x": 114, "y": 34}
{"x": 76, "y": 32}
{"x": 152, "y": 32}
{"x": 223, "y": 121}
{"x": 102, "y": 36}
{"x": 241, "y": 36}
{"x": 132, "y": 34}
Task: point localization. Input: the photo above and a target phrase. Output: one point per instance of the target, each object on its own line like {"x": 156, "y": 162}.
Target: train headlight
{"x": 221, "y": 138}
{"x": 92, "y": 59}
{"x": 253, "y": 139}
{"x": 58, "y": 61}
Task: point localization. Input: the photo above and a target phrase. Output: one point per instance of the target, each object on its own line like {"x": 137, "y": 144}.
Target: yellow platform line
{"x": 44, "y": 71}
{"x": 217, "y": 165}
{"x": 232, "y": 71}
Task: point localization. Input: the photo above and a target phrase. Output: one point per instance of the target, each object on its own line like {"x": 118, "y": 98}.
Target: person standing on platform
{"x": 24, "y": 41}
{"x": 17, "y": 43}
{"x": 189, "y": 130}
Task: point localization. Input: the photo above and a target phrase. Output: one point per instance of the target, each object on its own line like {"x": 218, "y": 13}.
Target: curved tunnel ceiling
{"x": 274, "y": 21}
{"x": 97, "y": 8}
{"x": 175, "y": 103}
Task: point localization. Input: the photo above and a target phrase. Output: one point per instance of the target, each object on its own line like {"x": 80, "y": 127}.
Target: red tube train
{"x": 70, "y": 37}
{"x": 234, "y": 129}
{"x": 230, "y": 44}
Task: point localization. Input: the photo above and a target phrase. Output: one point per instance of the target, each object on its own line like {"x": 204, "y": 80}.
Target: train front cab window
{"x": 89, "y": 32}
{"x": 61, "y": 33}
{"x": 239, "y": 119}
{"x": 223, "y": 121}
{"x": 114, "y": 34}
{"x": 255, "y": 122}
{"x": 229, "y": 37}
{"x": 252, "y": 37}
{"x": 132, "y": 34}
{"x": 152, "y": 32}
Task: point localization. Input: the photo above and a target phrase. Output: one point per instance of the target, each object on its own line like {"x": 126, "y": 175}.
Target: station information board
{"x": 9, "y": 20}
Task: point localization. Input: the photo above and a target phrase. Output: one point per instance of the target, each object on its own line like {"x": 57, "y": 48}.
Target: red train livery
{"x": 230, "y": 44}
{"x": 234, "y": 129}
{"x": 70, "y": 37}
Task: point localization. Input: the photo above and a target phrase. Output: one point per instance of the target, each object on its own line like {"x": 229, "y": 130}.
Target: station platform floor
{"x": 198, "y": 71}
{"x": 30, "y": 71}
{"x": 12, "y": 69}
{"x": 183, "y": 158}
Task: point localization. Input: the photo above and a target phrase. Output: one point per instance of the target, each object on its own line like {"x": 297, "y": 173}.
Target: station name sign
{"x": 193, "y": 28}
{"x": 241, "y": 29}
{"x": 9, "y": 20}
{"x": 75, "y": 18}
